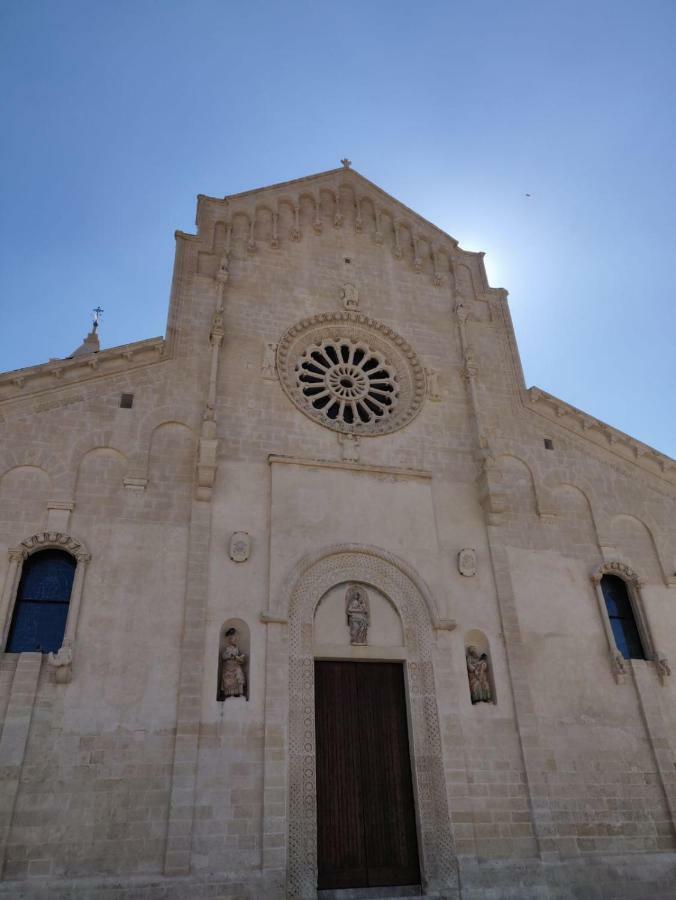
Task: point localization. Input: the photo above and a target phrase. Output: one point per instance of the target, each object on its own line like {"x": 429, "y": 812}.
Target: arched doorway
{"x": 293, "y": 649}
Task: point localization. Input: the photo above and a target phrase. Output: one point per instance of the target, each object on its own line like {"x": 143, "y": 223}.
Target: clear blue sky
{"x": 116, "y": 114}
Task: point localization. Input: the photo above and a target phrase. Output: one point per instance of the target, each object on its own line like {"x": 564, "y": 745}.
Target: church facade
{"x": 313, "y": 595}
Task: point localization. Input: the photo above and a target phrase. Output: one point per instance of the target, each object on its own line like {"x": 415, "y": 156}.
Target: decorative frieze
{"x": 587, "y": 426}
{"x": 60, "y": 373}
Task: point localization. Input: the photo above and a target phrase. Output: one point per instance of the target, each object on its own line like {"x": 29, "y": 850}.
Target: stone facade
{"x": 476, "y": 513}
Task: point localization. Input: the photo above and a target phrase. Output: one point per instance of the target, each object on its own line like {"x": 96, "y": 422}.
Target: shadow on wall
{"x": 233, "y": 660}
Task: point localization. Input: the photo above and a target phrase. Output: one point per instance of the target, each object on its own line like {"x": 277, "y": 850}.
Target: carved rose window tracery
{"x": 347, "y": 381}
{"x": 351, "y": 373}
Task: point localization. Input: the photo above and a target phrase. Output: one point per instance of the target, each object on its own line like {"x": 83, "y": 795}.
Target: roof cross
{"x": 346, "y": 163}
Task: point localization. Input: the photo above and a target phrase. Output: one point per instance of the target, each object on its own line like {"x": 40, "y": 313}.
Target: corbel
{"x": 338, "y": 217}
{"x": 397, "y": 245}
{"x": 358, "y": 222}
{"x": 317, "y": 224}
{"x": 378, "y": 236}
{"x": 417, "y": 261}
{"x": 274, "y": 240}
{"x": 295, "y": 231}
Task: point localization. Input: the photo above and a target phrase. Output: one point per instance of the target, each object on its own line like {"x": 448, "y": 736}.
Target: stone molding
{"x": 43, "y": 540}
{"x": 379, "y": 338}
{"x": 62, "y": 660}
{"x": 281, "y": 610}
{"x": 615, "y": 567}
{"x": 274, "y": 459}
{"x": 63, "y": 373}
{"x": 419, "y": 245}
{"x": 600, "y": 434}
{"x": 314, "y": 578}
{"x": 619, "y": 666}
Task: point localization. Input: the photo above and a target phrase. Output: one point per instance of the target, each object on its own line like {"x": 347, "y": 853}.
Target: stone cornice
{"x": 340, "y": 175}
{"x": 423, "y": 245}
{"x": 273, "y": 459}
{"x": 60, "y": 373}
{"x": 600, "y": 434}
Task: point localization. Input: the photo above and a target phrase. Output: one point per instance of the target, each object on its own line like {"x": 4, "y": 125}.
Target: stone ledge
{"x": 600, "y": 434}
{"x": 351, "y": 466}
{"x": 61, "y": 373}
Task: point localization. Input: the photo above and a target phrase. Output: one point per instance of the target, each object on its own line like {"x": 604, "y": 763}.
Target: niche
{"x": 479, "y": 668}
{"x": 233, "y": 660}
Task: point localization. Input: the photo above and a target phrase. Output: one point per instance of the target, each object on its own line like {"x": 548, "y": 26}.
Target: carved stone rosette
{"x": 403, "y": 376}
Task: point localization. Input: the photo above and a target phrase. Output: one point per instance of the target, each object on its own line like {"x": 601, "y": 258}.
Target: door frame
{"x": 290, "y": 716}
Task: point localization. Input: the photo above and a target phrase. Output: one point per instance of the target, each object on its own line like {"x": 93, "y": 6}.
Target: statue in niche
{"x": 479, "y": 677}
{"x": 357, "y": 610}
{"x": 233, "y": 679}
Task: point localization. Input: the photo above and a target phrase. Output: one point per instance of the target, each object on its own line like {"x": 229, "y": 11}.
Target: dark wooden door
{"x": 366, "y": 832}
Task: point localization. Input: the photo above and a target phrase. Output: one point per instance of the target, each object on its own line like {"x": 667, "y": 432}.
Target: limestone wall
{"x": 135, "y": 767}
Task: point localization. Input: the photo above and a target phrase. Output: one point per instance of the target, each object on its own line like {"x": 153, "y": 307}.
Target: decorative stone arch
{"x": 554, "y": 480}
{"x": 45, "y": 540}
{"x": 653, "y": 532}
{"x": 634, "y": 585}
{"x": 309, "y": 582}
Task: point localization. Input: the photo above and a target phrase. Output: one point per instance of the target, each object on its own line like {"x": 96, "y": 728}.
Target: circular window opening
{"x": 347, "y": 381}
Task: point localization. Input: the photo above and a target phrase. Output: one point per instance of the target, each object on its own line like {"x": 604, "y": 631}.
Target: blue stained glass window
{"x": 621, "y": 617}
{"x": 41, "y": 607}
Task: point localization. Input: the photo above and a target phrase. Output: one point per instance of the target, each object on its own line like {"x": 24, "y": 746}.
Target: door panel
{"x": 389, "y": 817}
{"x": 340, "y": 826}
{"x": 366, "y": 832}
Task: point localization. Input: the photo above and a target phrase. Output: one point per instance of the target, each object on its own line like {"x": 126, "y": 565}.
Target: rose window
{"x": 351, "y": 373}
{"x": 347, "y": 382}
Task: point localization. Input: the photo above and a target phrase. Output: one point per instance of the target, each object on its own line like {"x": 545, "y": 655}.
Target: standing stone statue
{"x": 357, "y": 609}
{"x": 479, "y": 677}
{"x": 233, "y": 679}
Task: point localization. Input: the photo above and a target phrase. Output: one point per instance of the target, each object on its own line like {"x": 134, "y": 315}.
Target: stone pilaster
{"x": 14, "y": 739}
{"x": 189, "y": 701}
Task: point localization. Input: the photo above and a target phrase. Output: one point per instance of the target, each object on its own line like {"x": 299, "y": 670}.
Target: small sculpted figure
{"x": 233, "y": 679}
{"x": 357, "y": 610}
{"x": 479, "y": 678}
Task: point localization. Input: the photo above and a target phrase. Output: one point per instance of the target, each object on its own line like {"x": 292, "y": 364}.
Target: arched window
{"x": 43, "y": 597}
{"x": 622, "y": 619}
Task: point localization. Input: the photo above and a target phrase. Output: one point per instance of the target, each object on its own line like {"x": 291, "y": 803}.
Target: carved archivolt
{"x": 616, "y": 567}
{"x": 351, "y": 373}
{"x": 45, "y": 539}
{"x": 438, "y": 861}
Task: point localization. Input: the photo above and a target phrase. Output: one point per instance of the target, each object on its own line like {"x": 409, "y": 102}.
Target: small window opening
{"x": 347, "y": 260}
{"x": 41, "y": 608}
{"x": 549, "y": 444}
{"x": 621, "y": 615}
{"x": 126, "y": 401}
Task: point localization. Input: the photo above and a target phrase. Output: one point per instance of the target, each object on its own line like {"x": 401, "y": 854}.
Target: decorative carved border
{"x": 436, "y": 846}
{"x": 347, "y": 324}
{"x": 43, "y": 540}
{"x": 76, "y": 370}
{"x": 584, "y": 425}
{"x": 618, "y": 663}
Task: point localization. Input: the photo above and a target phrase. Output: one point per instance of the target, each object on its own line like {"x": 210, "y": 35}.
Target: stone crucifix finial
{"x": 346, "y": 163}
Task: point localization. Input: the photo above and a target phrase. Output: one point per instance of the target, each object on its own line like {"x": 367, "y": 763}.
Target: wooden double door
{"x": 366, "y": 829}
